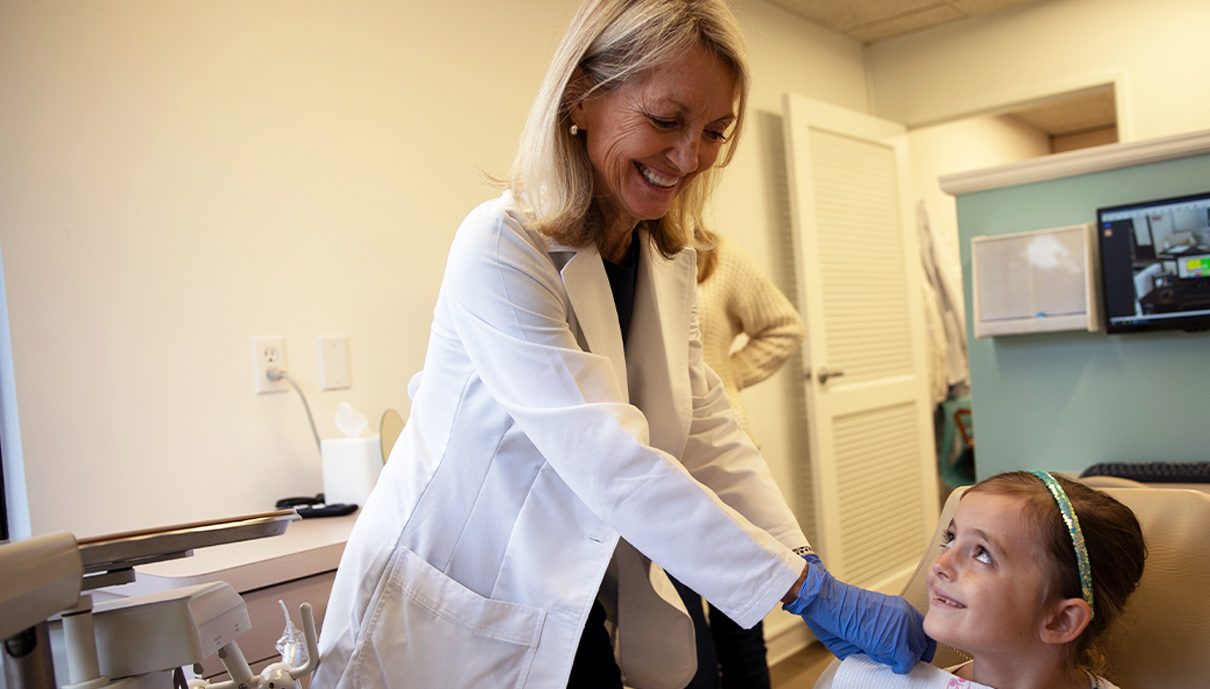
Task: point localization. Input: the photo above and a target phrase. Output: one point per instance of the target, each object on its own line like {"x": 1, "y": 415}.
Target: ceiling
{"x": 870, "y": 21}
{"x": 1073, "y": 113}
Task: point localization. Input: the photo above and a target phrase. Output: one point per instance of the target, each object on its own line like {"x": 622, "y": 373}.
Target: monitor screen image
{"x": 1193, "y": 267}
{"x": 1155, "y": 264}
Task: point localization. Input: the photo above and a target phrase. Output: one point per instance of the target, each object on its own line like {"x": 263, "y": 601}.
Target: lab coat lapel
{"x": 659, "y": 343}
{"x": 658, "y": 371}
{"x": 593, "y": 309}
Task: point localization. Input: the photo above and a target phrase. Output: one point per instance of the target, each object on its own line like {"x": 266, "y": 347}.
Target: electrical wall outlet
{"x": 268, "y": 352}
{"x": 334, "y": 363}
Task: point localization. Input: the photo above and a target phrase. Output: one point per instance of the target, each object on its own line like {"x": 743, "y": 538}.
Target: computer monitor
{"x": 1190, "y": 267}
{"x": 1155, "y": 264}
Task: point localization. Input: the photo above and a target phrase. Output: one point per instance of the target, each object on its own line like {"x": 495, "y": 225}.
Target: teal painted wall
{"x": 1063, "y": 401}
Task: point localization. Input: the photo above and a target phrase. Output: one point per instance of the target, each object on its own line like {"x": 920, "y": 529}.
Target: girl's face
{"x": 652, "y": 135}
{"x": 987, "y": 586}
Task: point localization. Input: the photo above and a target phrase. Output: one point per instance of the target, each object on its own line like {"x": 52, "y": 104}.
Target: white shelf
{"x": 1078, "y": 162}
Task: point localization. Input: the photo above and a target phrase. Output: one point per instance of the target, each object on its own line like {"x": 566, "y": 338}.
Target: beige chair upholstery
{"x": 1163, "y": 638}
{"x": 1102, "y": 482}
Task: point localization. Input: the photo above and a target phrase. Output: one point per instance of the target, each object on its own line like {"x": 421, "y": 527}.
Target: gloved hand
{"x": 848, "y": 619}
{"x": 839, "y": 647}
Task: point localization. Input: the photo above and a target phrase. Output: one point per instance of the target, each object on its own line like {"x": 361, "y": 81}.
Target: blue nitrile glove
{"x": 848, "y": 619}
{"x": 839, "y": 647}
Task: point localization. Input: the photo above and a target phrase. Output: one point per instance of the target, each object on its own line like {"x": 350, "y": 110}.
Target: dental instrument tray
{"x": 111, "y": 558}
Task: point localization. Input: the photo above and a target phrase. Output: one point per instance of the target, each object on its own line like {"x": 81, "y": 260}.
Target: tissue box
{"x": 350, "y": 468}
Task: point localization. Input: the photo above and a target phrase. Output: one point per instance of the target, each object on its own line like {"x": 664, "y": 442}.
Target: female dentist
{"x": 566, "y": 442}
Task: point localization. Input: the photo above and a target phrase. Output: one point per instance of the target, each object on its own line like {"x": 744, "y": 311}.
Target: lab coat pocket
{"x": 428, "y": 630}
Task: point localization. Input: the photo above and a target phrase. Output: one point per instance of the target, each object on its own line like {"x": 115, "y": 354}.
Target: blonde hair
{"x": 608, "y": 43}
{"x": 706, "y": 242}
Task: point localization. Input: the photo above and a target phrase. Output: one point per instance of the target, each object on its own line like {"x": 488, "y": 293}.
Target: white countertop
{"x": 308, "y": 547}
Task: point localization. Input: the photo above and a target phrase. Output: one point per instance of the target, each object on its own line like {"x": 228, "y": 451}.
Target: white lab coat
{"x": 523, "y": 468}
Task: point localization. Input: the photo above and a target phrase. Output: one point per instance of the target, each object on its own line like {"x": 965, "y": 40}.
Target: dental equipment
{"x": 138, "y": 642}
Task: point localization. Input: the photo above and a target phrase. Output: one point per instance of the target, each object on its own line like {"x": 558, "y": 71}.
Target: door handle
{"x": 824, "y": 374}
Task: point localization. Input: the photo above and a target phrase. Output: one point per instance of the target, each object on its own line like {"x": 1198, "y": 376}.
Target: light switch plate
{"x": 334, "y": 362}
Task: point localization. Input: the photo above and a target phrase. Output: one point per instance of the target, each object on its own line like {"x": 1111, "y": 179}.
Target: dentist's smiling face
{"x": 649, "y": 137}
{"x": 987, "y": 588}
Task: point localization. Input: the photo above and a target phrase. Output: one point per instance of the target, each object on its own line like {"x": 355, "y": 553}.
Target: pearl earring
{"x": 574, "y": 129}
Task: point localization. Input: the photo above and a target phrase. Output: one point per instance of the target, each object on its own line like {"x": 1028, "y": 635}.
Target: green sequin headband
{"x": 1073, "y": 528}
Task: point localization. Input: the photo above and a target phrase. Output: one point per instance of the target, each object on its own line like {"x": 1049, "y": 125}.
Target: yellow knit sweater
{"x": 738, "y": 300}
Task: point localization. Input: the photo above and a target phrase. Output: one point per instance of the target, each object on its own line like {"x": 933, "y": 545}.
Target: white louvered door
{"x": 868, "y": 412}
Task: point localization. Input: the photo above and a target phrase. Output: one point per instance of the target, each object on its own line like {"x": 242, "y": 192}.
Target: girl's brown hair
{"x": 1112, "y": 535}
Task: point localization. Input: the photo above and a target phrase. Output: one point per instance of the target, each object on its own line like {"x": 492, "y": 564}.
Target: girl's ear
{"x": 1067, "y": 620}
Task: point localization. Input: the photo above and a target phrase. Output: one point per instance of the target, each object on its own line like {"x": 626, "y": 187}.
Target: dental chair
{"x": 1163, "y": 637}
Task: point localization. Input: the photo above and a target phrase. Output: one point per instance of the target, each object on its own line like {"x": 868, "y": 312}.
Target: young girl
{"x": 1033, "y": 569}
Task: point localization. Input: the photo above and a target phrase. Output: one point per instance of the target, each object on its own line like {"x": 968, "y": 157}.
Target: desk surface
{"x": 1182, "y": 295}
{"x": 308, "y": 547}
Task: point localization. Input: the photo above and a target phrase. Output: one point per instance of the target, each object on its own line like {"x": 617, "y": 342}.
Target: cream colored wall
{"x": 1157, "y": 49}
{"x": 179, "y": 177}
{"x": 968, "y": 144}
